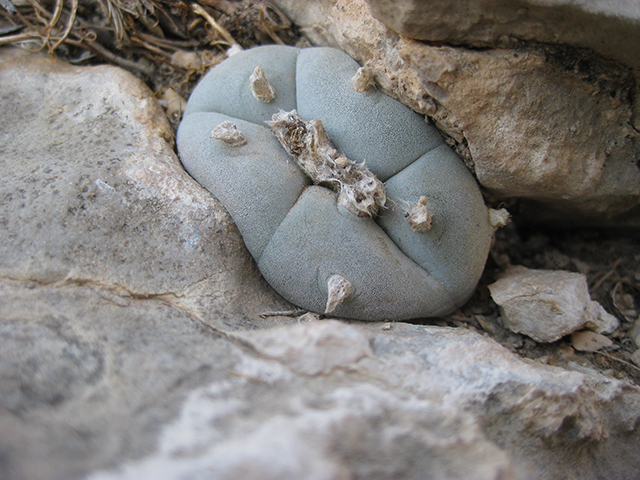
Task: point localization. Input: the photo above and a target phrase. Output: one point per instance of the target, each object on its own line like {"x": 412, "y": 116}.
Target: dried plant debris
{"x": 261, "y": 89}
{"x": 339, "y": 289}
{"x": 499, "y": 218}
{"x": 419, "y": 217}
{"x": 363, "y": 80}
{"x": 229, "y": 133}
{"x": 168, "y": 43}
{"x": 359, "y": 190}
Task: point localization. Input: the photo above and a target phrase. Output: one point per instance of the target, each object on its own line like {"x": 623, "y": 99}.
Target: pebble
{"x": 587, "y": 341}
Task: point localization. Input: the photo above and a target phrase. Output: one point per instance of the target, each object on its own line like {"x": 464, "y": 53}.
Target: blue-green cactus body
{"x": 297, "y": 232}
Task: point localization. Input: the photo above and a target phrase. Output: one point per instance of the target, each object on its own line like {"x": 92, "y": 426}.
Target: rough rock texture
{"x": 635, "y": 333}
{"x": 328, "y": 400}
{"x": 553, "y": 125}
{"x": 113, "y": 261}
{"x": 93, "y": 194}
{"x": 609, "y": 28}
{"x": 126, "y": 350}
{"x": 548, "y": 304}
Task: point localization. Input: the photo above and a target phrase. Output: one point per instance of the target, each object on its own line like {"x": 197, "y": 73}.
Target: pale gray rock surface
{"x": 611, "y": 28}
{"x": 548, "y": 304}
{"x": 93, "y": 194}
{"x": 131, "y": 344}
{"x": 113, "y": 262}
{"x": 555, "y": 126}
{"x": 412, "y": 402}
{"x": 635, "y": 333}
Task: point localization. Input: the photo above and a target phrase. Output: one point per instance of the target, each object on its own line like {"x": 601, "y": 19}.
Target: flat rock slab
{"x": 610, "y": 28}
{"x": 131, "y": 344}
{"x": 330, "y": 400}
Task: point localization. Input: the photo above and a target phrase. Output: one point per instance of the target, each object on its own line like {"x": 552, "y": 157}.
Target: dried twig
{"x": 223, "y": 32}
{"x": 55, "y": 17}
{"x": 19, "y": 38}
{"x": 607, "y": 275}
{"x": 611, "y": 357}
{"x": 111, "y": 57}
{"x": 67, "y": 30}
{"x": 267, "y": 29}
{"x": 172, "y": 44}
{"x": 149, "y": 47}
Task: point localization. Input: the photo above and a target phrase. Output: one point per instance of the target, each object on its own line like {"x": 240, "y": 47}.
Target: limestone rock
{"x": 404, "y": 405}
{"x": 635, "y": 357}
{"x": 93, "y": 194}
{"x": 609, "y": 28}
{"x": 547, "y": 305}
{"x": 634, "y": 333}
{"x": 554, "y": 126}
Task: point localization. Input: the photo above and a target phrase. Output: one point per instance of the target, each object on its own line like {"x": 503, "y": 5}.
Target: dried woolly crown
{"x": 359, "y": 190}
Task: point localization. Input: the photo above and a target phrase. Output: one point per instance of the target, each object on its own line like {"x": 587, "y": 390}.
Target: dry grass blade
{"x": 67, "y": 30}
{"x": 268, "y": 30}
{"x": 223, "y": 32}
{"x": 116, "y": 18}
{"x": 606, "y": 276}
{"x": 10, "y": 39}
{"x": 616, "y": 359}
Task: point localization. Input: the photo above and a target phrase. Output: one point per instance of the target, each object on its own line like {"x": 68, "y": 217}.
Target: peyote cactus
{"x": 349, "y": 202}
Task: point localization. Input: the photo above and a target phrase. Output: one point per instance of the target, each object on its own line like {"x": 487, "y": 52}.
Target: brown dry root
{"x": 359, "y": 191}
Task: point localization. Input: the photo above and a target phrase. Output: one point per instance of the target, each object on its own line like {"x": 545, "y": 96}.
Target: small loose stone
{"x": 229, "y": 133}
{"x": 587, "y": 341}
{"x": 418, "y": 217}
{"x": 261, "y": 89}
{"x": 339, "y": 290}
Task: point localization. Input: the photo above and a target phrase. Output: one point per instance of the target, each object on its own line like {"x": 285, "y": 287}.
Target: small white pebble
{"x": 308, "y": 317}
{"x": 234, "y": 50}
{"x": 499, "y": 218}
{"x": 587, "y": 341}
